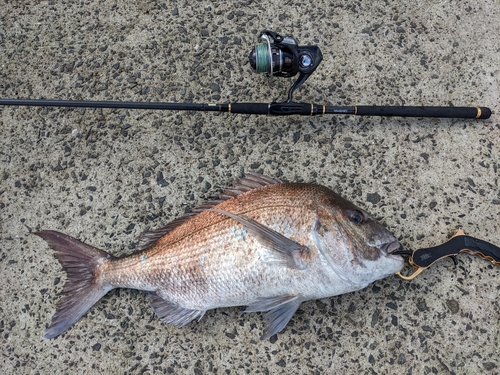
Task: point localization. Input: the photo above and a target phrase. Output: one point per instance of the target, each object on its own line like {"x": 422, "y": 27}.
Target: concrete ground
{"x": 105, "y": 176}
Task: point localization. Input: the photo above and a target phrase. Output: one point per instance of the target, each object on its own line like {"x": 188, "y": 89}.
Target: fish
{"x": 264, "y": 244}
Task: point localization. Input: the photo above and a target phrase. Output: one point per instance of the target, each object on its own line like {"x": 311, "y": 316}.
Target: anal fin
{"x": 169, "y": 312}
{"x": 279, "y": 312}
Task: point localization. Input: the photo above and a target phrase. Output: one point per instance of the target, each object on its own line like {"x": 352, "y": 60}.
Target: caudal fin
{"x": 81, "y": 291}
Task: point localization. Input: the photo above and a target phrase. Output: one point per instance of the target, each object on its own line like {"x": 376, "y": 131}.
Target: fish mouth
{"x": 390, "y": 247}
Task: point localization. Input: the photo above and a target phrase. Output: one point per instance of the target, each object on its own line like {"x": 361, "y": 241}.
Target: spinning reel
{"x": 281, "y": 56}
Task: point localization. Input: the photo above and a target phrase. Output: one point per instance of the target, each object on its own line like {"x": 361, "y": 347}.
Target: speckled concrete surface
{"x": 105, "y": 176}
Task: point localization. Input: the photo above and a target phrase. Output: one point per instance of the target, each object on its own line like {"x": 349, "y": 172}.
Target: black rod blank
{"x": 109, "y": 104}
{"x": 279, "y": 109}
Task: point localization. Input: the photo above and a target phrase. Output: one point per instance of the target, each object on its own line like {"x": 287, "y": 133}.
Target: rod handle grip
{"x": 249, "y": 108}
{"x": 443, "y": 112}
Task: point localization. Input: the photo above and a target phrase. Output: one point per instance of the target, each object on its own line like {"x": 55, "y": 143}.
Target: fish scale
{"x": 264, "y": 244}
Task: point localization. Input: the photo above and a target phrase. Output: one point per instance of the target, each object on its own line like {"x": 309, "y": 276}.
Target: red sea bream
{"x": 263, "y": 244}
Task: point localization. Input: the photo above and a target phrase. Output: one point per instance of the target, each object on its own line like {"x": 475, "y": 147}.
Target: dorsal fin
{"x": 148, "y": 239}
{"x": 247, "y": 183}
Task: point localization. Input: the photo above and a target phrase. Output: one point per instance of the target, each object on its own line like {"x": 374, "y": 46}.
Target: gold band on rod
{"x": 478, "y": 112}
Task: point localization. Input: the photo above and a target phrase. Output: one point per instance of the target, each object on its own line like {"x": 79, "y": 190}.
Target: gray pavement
{"x": 105, "y": 176}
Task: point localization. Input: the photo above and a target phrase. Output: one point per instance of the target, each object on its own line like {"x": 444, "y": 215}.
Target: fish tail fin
{"x": 82, "y": 289}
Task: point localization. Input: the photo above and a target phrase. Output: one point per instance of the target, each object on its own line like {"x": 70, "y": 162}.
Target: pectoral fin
{"x": 293, "y": 252}
{"x": 280, "y": 311}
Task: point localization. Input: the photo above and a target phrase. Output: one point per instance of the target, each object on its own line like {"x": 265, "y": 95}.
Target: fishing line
{"x": 141, "y": 43}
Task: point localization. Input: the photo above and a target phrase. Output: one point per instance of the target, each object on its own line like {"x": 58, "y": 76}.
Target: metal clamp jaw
{"x": 422, "y": 259}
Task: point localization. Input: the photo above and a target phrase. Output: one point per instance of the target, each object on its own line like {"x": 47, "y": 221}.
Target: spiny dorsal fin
{"x": 247, "y": 183}
{"x": 148, "y": 239}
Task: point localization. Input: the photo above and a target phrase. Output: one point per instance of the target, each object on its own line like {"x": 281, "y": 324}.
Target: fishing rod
{"x": 279, "y": 56}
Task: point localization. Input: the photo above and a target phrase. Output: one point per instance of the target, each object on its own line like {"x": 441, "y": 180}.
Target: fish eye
{"x": 356, "y": 216}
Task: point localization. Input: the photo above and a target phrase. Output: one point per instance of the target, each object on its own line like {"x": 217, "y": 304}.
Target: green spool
{"x": 262, "y": 62}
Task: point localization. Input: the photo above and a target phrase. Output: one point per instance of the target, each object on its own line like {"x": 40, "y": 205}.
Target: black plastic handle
{"x": 425, "y": 257}
{"x": 482, "y": 249}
